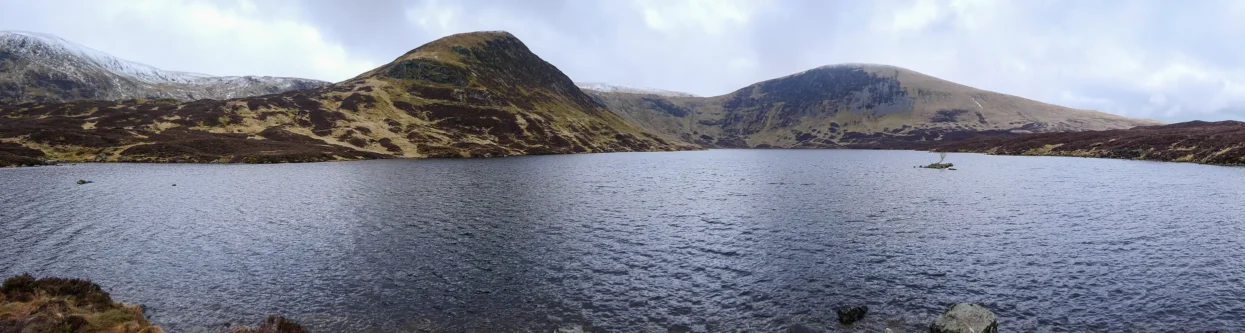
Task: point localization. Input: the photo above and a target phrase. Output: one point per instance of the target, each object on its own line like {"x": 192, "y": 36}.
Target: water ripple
{"x": 730, "y": 240}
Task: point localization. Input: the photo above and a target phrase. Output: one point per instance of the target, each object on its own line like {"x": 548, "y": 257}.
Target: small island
{"x": 940, "y": 165}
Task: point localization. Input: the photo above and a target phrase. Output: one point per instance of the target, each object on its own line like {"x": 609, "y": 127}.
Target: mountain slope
{"x": 45, "y": 68}
{"x": 613, "y": 88}
{"x": 1195, "y": 141}
{"x": 465, "y": 95}
{"x": 855, "y": 105}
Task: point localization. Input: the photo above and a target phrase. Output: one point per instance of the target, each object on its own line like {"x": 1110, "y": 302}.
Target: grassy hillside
{"x": 468, "y": 95}
{"x": 1197, "y": 141}
{"x": 65, "y": 305}
{"x": 870, "y": 106}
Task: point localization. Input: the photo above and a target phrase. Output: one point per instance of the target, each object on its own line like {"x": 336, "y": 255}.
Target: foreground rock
{"x": 29, "y": 305}
{"x": 965, "y": 318}
{"x": 851, "y": 314}
{"x": 274, "y": 324}
{"x": 65, "y": 305}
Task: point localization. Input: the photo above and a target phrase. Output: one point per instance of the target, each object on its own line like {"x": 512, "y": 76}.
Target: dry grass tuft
{"x": 65, "y": 305}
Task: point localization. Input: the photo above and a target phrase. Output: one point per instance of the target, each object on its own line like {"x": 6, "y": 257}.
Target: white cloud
{"x": 219, "y": 38}
{"x": 917, "y": 16}
{"x": 1158, "y": 99}
{"x": 1113, "y": 56}
{"x": 1108, "y": 56}
{"x": 438, "y": 17}
{"x": 711, "y": 17}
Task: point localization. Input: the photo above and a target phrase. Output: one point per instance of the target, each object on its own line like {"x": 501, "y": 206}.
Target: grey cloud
{"x": 376, "y": 29}
{"x": 1115, "y": 56}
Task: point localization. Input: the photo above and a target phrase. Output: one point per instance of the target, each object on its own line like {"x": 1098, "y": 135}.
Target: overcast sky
{"x": 1168, "y": 60}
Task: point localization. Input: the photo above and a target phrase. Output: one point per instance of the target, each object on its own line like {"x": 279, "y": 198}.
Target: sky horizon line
{"x": 1141, "y": 58}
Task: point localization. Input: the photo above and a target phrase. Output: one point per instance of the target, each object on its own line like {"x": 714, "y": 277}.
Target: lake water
{"x": 720, "y": 240}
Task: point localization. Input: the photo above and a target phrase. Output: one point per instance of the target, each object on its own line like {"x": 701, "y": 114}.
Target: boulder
{"x": 965, "y": 318}
{"x": 851, "y": 314}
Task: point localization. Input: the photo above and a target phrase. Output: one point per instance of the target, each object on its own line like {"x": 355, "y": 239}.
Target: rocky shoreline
{"x": 30, "y": 305}
{"x": 25, "y": 161}
{"x": 65, "y": 305}
{"x": 55, "y": 304}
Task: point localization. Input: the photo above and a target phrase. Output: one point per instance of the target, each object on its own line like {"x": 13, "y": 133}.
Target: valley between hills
{"x": 485, "y": 94}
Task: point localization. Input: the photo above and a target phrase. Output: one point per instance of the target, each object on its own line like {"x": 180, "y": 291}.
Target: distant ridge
{"x": 46, "y": 68}
{"x": 612, "y": 88}
{"x": 850, "y": 106}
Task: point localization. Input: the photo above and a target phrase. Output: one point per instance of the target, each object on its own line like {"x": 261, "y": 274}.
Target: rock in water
{"x": 965, "y": 318}
{"x": 851, "y": 314}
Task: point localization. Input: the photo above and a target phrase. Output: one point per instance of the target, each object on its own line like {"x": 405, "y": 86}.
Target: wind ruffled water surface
{"x": 721, "y": 240}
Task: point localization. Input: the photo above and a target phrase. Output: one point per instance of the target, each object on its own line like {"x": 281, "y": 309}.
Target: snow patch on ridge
{"x": 74, "y": 59}
{"x": 613, "y": 88}
{"x": 52, "y": 47}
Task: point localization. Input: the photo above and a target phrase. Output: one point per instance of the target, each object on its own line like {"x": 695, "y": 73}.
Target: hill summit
{"x": 466, "y": 95}
{"x": 46, "y": 68}
{"x": 851, "y": 105}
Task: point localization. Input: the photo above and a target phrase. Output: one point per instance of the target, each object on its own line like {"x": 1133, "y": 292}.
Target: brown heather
{"x": 468, "y": 95}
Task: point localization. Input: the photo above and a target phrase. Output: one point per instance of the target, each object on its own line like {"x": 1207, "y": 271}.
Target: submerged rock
{"x": 851, "y": 314}
{"x": 965, "y": 318}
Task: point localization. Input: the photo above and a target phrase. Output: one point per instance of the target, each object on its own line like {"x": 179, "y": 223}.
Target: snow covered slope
{"x": 41, "y": 67}
{"x": 605, "y": 87}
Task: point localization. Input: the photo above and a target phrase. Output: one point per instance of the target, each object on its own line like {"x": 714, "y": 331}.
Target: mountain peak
{"x": 472, "y": 38}
{"x": 42, "y": 37}
{"x": 451, "y": 48}
{"x": 851, "y": 105}
{"x": 487, "y": 34}
{"x": 466, "y": 95}
{"x": 47, "y": 47}
{"x": 486, "y": 60}
{"x": 44, "y": 67}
